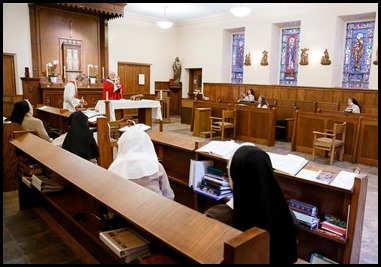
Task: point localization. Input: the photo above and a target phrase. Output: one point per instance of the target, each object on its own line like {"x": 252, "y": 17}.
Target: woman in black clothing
{"x": 259, "y": 201}
{"x": 79, "y": 139}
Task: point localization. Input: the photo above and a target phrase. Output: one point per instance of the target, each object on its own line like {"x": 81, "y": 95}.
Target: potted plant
{"x": 93, "y": 71}
{"x": 51, "y": 70}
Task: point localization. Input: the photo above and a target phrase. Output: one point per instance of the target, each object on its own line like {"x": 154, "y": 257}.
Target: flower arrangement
{"x": 92, "y": 70}
{"x": 51, "y": 68}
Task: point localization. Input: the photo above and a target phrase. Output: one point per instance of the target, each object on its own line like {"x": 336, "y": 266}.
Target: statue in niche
{"x": 247, "y": 60}
{"x": 264, "y": 58}
{"x": 376, "y": 61}
{"x": 304, "y": 57}
{"x": 325, "y": 58}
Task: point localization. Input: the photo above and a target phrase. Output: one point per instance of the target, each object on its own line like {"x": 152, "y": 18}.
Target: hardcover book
{"x": 44, "y": 184}
{"x": 303, "y": 207}
{"x": 214, "y": 191}
{"x": 317, "y": 258}
{"x": 287, "y": 164}
{"x": 333, "y": 228}
{"x": 27, "y": 180}
{"x": 124, "y": 241}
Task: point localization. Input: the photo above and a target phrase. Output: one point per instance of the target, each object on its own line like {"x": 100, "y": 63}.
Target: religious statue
{"x": 264, "y": 58}
{"x": 325, "y": 58}
{"x": 176, "y": 70}
{"x": 247, "y": 60}
{"x": 304, "y": 57}
{"x": 376, "y": 61}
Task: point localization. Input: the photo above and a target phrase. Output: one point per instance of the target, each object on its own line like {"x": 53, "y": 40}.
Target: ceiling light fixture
{"x": 165, "y": 23}
{"x": 240, "y": 11}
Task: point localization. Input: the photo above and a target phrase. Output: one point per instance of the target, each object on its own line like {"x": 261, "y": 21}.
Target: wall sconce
{"x": 264, "y": 58}
{"x": 376, "y": 61}
{"x": 247, "y": 59}
{"x": 304, "y": 57}
{"x": 325, "y": 58}
{"x": 165, "y": 23}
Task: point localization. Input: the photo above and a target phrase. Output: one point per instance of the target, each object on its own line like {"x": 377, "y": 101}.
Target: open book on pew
{"x": 140, "y": 126}
{"x": 222, "y": 149}
{"x": 287, "y": 164}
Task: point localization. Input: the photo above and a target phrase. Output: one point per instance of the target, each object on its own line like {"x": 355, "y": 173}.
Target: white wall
{"x": 16, "y": 38}
{"x": 203, "y": 45}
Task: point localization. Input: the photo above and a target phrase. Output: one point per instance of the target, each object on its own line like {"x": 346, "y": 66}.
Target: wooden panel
{"x": 367, "y": 152}
{"x": 223, "y": 91}
{"x": 9, "y": 157}
{"x": 306, "y": 122}
{"x": 129, "y": 77}
{"x": 9, "y": 77}
{"x": 330, "y": 106}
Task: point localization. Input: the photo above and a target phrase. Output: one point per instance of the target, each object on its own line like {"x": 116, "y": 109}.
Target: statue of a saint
{"x": 176, "y": 70}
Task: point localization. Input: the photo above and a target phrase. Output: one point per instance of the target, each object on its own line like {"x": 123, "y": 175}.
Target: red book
{"x": 333, "y": 228}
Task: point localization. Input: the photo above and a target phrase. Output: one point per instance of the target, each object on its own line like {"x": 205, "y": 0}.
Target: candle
{"x": 64, "y": 71}
{"x": 103, "y": 73}
{"x": 47, "y": 70}
{"x": 161, "y": 94}
{"x": 88, "y": 70}
{"x": 106, "y": 95}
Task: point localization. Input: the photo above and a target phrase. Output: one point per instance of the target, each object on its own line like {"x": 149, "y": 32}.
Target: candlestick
{"x": 103, "y": 73}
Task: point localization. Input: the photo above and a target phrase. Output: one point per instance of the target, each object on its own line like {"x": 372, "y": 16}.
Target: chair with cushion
{"x": 227, "y": 121}
{"x": 331, "y": 141}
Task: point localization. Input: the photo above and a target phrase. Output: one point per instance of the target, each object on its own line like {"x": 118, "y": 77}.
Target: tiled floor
{"x": 29, "y": 238}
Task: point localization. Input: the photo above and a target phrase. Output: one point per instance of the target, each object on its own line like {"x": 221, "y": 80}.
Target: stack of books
{"x": 334, "y": 224}
{"x": 29, "y": 166}
{"x": 45, "y": 184}
{"x": 126, "y": 243}
{"x": 214, "y": 184}
{"x": 305, "y": 213}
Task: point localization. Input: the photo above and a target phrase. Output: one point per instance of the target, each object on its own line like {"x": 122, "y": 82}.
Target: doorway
{"x": 195, "y": 80}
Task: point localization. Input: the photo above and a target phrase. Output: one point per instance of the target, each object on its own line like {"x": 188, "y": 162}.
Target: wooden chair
{"x": 330, "y": 140}
{"x": 227, "y": 121}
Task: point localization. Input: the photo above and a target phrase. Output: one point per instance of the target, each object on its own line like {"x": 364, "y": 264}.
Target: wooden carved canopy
{"x": 107, "y": 10}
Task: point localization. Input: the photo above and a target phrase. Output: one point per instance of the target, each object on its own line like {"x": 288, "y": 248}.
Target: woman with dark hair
{"x": 263, "y": 102}
{"x": 353, "y": 106}
{"x": 258, "y": 201}
{"x": 249, "y": 96}
{"x": 80, "y": 139}
{"x": 22, "y": 114}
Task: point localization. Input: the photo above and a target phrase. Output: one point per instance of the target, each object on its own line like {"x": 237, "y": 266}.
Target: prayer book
{"x": 125, "y": 242}
{"x": 222, "y": 149}
{"x": 287, "y": 164}
{"x": 317, "y": 258}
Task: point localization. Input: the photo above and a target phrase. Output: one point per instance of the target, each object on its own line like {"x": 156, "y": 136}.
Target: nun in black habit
{"x": 258, "y": 201}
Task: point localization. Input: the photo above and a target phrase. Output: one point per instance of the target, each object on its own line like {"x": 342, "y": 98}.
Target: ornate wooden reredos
{"x": 61, "y": 30}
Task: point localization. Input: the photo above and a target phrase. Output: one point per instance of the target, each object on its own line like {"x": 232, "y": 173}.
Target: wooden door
{"x": 135, "y": 77}
{"x": 9, "y": 76}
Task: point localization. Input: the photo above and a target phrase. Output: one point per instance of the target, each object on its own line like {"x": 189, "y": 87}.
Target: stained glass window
{"x": 358, "y": 54}
{"x": 238, "y": 51}
{"x": 289, "y": 57}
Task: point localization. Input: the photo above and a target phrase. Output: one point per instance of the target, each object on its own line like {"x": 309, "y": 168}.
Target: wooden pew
{"x": 9, "y": 158}
{"x": 172, "y": 228}
{"x": 254, "y": 124}
{"x": 329, "y": 106}
{"x": 308, "y": 106}
{"x": 285, "y": 117}
{"x": 371, "y": 110}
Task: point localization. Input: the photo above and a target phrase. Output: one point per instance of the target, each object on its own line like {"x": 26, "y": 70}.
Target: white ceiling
{"x": 181, "y": 13}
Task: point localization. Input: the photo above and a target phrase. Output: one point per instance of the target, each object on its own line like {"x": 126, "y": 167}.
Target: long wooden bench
{"x": 172, "y": 228}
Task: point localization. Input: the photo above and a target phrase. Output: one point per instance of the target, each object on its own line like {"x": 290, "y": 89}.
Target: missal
{"x": 288, "y": 164}
{"x": 222, "y": 149}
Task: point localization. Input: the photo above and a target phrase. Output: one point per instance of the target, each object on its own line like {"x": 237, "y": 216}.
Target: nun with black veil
{"x": 80, "y": 139}
{"x": 258, "y": 201}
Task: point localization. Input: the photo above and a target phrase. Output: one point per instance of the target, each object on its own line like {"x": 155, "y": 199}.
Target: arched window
{"x": 238, "y": 56}
{"x": 289, "y": 57}
{"x": 358, "y": 54}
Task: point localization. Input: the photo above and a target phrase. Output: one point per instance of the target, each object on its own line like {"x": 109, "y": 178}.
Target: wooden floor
{"x": 33, "y": 237}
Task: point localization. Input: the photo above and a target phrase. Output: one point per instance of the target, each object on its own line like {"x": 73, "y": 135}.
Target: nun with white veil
{"x": 137, "y": 161}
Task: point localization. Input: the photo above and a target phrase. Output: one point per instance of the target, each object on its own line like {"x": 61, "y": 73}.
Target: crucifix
{"x": 70, "y": 22}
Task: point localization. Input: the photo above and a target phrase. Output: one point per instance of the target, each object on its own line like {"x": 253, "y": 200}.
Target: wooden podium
{"x": 201, "y": 120}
